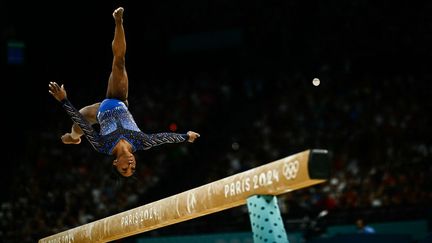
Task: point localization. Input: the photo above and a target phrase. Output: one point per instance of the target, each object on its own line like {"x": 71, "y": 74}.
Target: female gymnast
{"x": 119, "y": 134}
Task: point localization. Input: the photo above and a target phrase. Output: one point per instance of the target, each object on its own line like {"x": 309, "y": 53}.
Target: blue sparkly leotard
{"x": 116, "y": 122}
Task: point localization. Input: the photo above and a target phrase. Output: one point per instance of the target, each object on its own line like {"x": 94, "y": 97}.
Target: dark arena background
{"x": 239, "y": 73}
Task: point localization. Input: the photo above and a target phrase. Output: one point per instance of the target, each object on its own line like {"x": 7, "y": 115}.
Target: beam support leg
{"x": 266, "y": 220}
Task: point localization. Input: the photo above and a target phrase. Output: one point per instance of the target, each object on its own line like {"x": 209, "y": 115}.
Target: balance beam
{"x": 294, "y": 172}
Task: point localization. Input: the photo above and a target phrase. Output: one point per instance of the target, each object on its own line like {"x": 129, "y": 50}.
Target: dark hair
{"x": 118, "y": 178}
{"x": 115, "y": 174}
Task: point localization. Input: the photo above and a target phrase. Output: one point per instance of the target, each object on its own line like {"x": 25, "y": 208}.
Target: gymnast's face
{"x": 125, "y": 164}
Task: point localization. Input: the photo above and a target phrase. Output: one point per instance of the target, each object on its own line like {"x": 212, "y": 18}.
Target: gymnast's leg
{"x": 118, "y": 80}
{"x": 74, "y": 137}
{"x": 117, "y": 83}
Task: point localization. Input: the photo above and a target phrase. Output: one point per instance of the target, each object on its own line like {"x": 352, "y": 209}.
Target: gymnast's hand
{"x": 192, "y": 136}
{"x": 57, "y": 91}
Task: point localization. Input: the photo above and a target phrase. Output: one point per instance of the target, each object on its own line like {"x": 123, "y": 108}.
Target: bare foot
{"x": 118, "y": 13}
{"x": 67, "y": 139}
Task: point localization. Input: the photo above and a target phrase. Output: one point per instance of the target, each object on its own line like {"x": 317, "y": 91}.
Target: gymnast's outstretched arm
{"x": 148, "y": 141}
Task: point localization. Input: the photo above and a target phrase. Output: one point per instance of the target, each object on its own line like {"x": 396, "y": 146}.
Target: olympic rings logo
{"x": 290, "y": 169}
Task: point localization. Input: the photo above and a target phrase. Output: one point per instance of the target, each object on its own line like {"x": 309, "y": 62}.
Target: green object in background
{"x": 417, "y": 229}
{"x": 15, "y": 52}
{"x": 237, "y": 237}
{"x": 242, "y": 237}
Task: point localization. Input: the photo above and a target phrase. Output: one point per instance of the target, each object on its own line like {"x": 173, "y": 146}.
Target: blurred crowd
{"x": 376, "y": 129}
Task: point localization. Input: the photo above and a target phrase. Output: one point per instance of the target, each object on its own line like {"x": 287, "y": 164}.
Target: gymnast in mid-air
{"x": 119, "y": 134}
